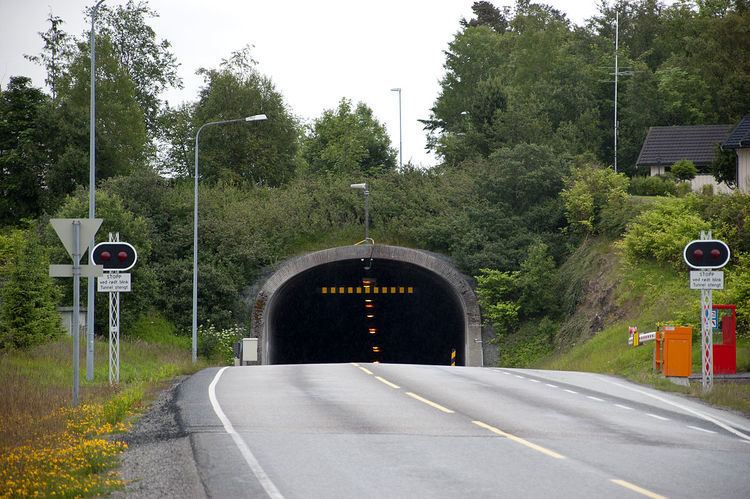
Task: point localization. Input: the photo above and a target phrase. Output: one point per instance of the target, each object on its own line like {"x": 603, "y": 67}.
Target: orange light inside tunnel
{"x": 370, "y": 316}
{"x": 376, "y": 349}
{"x": 369, "y": 305}
{"x": 372, "y": 330}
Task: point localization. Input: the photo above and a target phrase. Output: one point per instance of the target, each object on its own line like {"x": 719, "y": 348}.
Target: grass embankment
{"x": 47, "y": 447}
{"x": 642, "y": 295}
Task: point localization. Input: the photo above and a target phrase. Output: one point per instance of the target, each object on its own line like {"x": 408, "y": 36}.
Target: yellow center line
{"x": 365, "y": 370}
{"x": 635, "y": 488}
{"x": 519, "y": 440}
{"x": 383, "y": 380}
{"x": 430, "y": 403}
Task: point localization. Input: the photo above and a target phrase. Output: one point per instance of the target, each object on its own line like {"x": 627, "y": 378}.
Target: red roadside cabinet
{"x": 725, "y": 353}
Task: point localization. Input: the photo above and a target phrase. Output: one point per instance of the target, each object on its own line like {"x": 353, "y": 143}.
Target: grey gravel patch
{"x": 159, "y": 460}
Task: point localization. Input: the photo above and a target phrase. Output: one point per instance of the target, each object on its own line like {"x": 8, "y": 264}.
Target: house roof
{"x": 664, "y": 145}
{"x": 740, "y": 136}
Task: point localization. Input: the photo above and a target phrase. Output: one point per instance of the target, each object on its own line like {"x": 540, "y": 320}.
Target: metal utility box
{"x": 725, "y": 352}
{"x": 673, "y": 353}
{"x": 249, "y": 350}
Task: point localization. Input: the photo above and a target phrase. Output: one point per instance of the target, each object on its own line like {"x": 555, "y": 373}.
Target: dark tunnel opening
{"x": 393, "y": 312}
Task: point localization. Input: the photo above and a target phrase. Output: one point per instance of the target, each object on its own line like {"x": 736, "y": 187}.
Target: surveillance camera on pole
{"x": 365, "y": 189}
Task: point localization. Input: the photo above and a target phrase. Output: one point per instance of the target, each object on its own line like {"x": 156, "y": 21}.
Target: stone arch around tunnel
{"x": 445, "y": 272}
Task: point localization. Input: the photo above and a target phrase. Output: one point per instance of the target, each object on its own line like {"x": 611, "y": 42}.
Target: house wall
{"x": 658, "y": 170}
{"x": 701, "y": 180}
{"x": 743, "y": 170}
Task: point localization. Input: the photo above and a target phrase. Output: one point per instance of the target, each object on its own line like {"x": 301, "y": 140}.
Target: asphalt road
{"x": 364, "y": 430}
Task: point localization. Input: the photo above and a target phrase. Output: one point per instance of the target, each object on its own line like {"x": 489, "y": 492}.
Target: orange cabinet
{"x": 673, "y": 353}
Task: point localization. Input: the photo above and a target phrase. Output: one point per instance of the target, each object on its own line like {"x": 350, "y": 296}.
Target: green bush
{"x": 738, "y": 280}
{"x": 216, "y": 344}
{"x": 652, "y": 186}
{"x": 588, "y": 191}
{"x": 684, "y": 169}
{"x": 498, "y": 293}
{"x": 662, "y": 232}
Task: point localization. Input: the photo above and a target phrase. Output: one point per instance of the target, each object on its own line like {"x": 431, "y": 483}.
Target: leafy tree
{"x": 26, "y": 132}
{"x": 178, "y": 131}
{"x": 263, "y": 153}
{"x": 488, "y": 15}
{"x": 536, "y": 281}
{"x": 56, "y": 54}
{"x": 121, "y": 139}
{"x": 348, "y": 141}
{"x": 28, "y": 297}
{"x": 149, "y": 62}
{"x": 132, "y": 229}
{"x": 724, "y": 167}
{"x": 684, "y": 169}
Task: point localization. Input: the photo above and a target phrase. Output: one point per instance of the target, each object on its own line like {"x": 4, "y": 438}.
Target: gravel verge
{"x": 159, "y": 460}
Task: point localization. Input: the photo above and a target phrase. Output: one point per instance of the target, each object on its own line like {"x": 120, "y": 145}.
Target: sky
{"x": 315, "y": 52}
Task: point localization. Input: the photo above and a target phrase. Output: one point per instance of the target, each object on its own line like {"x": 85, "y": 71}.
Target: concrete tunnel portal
{"x": 368, "y": 303}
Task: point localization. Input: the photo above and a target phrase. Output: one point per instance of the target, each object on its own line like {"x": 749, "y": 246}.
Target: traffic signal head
{"x": 706, "y": 254}
{"x": 114, "y": 256}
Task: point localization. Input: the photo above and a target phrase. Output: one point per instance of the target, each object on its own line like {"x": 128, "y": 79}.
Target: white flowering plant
{"x": 216, "y": 344}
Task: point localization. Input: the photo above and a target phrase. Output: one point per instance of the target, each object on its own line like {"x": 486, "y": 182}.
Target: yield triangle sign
{"x": 64, "y": 229}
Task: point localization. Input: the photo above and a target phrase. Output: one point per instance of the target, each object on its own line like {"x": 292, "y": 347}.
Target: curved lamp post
{"x": 257, "y": 117}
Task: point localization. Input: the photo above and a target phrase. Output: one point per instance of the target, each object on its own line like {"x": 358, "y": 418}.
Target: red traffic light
{"x": 706, "y": 254}
{"x": 114, "y": 256}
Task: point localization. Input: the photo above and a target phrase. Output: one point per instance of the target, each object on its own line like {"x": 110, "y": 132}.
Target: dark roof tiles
{"x": 740, "y": 136}
{"x": 664, "y": 145}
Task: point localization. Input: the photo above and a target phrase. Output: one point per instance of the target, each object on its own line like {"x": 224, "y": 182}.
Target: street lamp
{"x": 257, "y": 117}
{"x": 400, "y": 148}
{"x": 92, "y": 199}
{"x": 365, "y": 188}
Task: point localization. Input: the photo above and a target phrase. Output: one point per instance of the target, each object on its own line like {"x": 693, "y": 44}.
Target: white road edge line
{"x": 661, "y": 418}
{"x": 635, "y": 488}
{"x": 551, "y": 385}
{"x": 250, "y": 459}
{"x": 534, "y": 380}
{"x": 624, "y": 407}
{"x": 569, "y": 391}
{"x": 701, "y": 429}
{"x": 594, "y": 398}
{"x": 687, "y": 409}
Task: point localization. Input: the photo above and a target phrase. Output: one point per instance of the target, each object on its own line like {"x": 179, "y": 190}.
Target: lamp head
{"x": 397, "y": 89}
{"x": 257, "y": 117}
{"x": 358, "y": 186}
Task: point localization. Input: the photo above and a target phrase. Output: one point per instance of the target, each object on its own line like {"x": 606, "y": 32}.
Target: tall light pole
{"x": 257, "y": 117}
{"x": 617, "y": 73}
{"x": 366, "y": 190}
{"x": 400, "y": 144}
{"x": 92, "y": 199}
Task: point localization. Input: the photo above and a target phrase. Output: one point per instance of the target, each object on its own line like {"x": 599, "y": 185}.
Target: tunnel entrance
{"x": 367, "y": 304}
{"x": 390, "y": 311}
